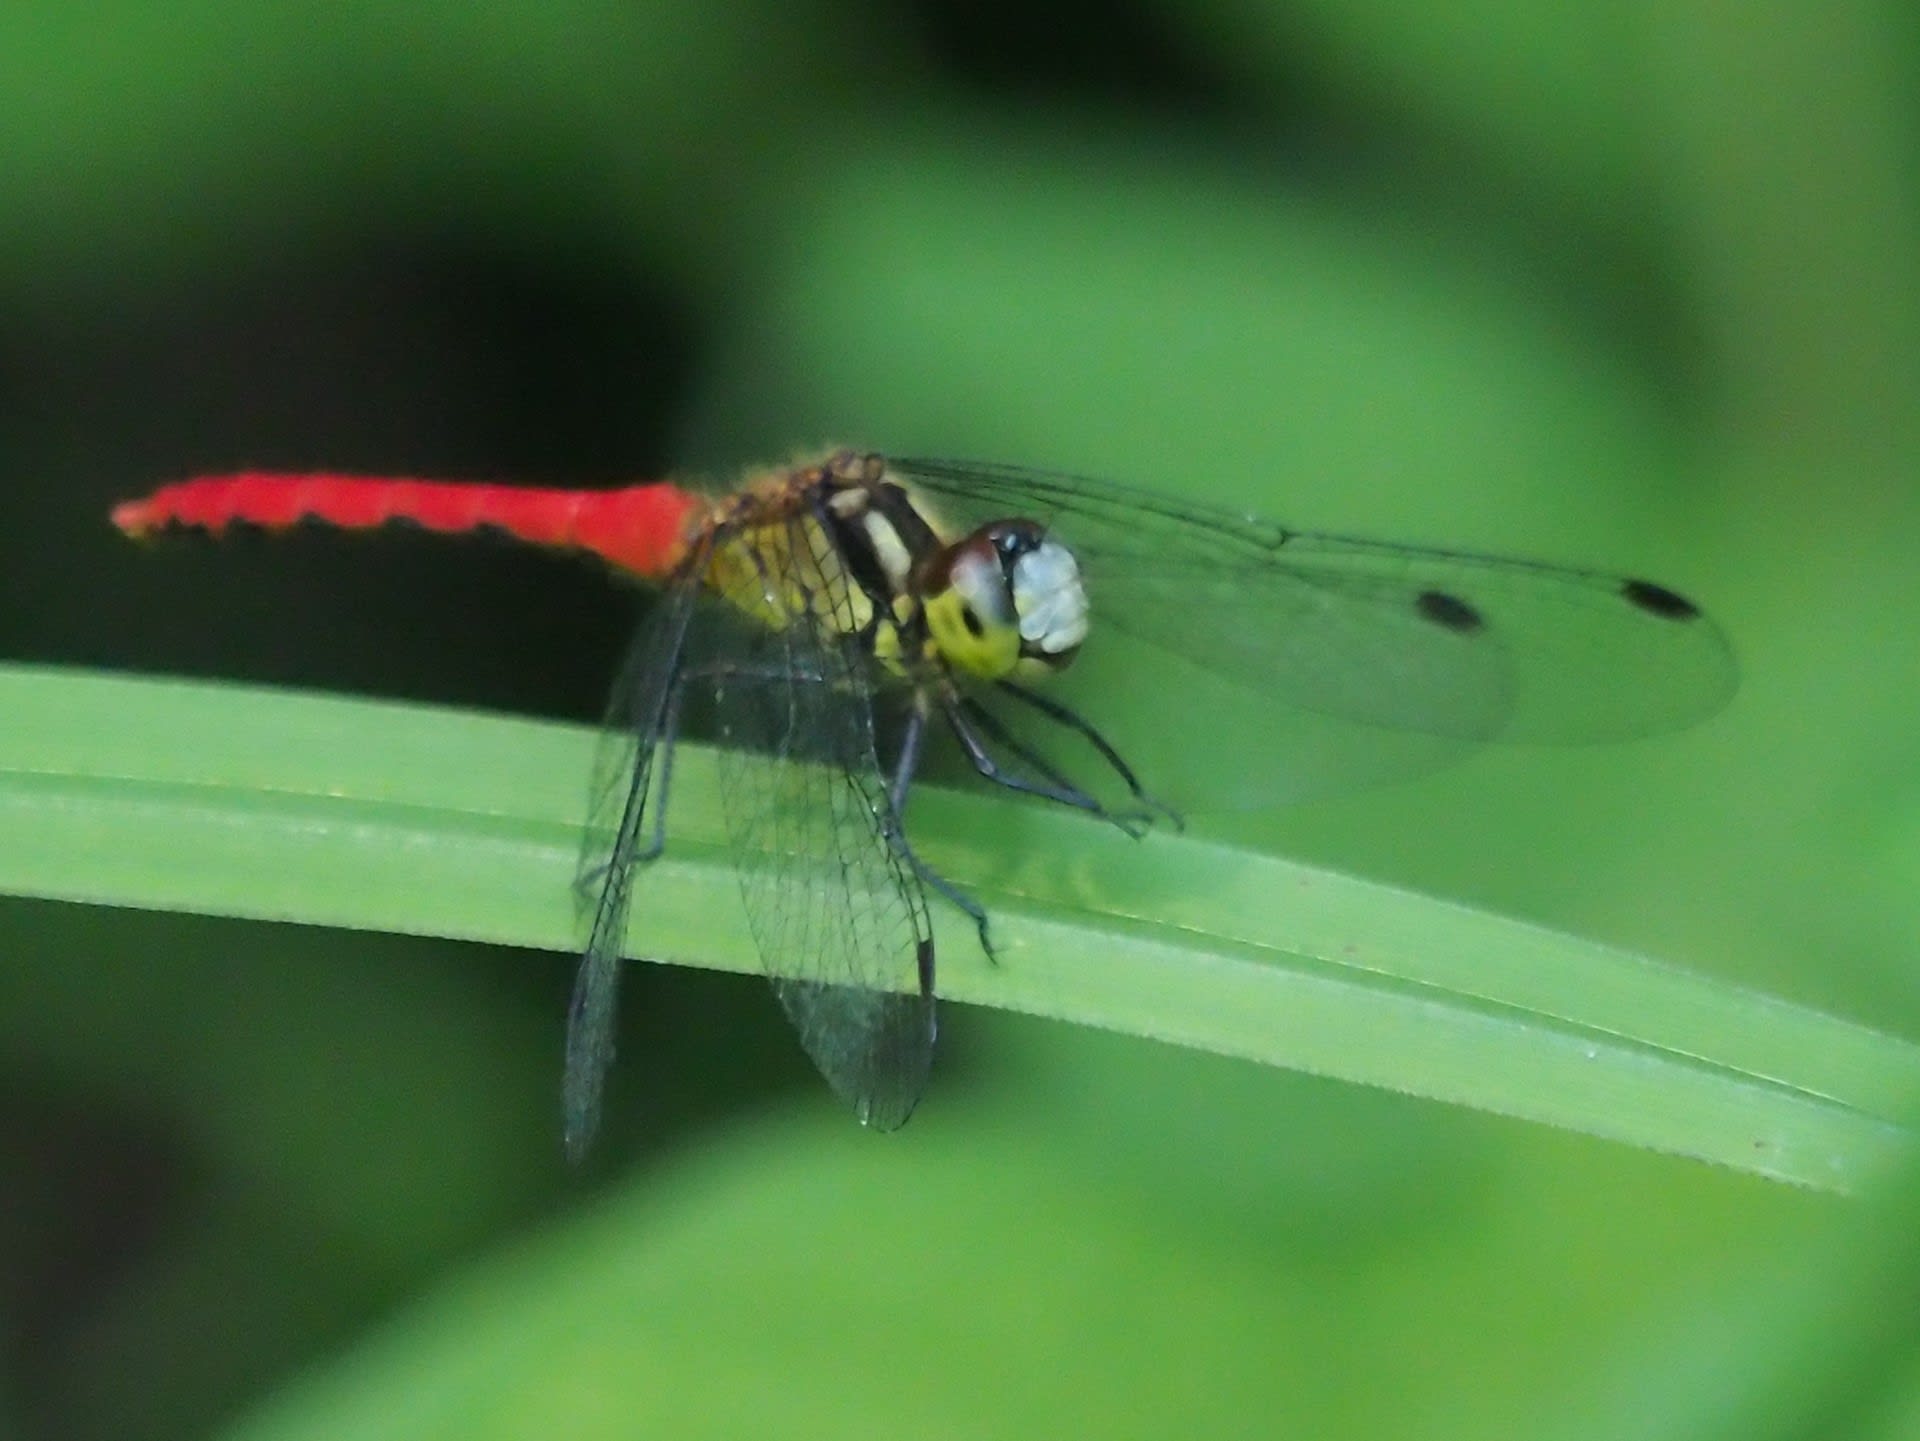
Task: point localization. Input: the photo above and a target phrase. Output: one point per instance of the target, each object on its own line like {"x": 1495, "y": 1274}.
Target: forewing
{"x": 1448, "y": 643}
{"x": 838, "y": 914}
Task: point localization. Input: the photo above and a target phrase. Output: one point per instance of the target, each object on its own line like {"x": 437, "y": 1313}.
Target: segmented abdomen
{"x": 641, "y": 529}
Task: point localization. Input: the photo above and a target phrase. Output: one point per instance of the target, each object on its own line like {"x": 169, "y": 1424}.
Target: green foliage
{"x": 369, "y": 816}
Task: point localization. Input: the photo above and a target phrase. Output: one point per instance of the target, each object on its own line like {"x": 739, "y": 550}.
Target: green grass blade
{"x": 281, "y": 806}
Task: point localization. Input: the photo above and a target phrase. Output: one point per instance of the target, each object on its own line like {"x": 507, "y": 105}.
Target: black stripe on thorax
{"x": 894, "y": 508}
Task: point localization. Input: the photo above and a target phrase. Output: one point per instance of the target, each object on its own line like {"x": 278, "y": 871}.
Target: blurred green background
{"x": 1632, "y": 284}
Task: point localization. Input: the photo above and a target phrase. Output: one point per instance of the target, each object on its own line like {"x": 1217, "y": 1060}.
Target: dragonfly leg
{"x": 1074, "y": 721}
{"x": 588, "y": 884}
{"x": 898, "y": 790}
{"x": 974, "y": 911}
{"x": 666, "y": 737}
{"x": 970, "y": 721}
{"x": 907, "y": 764}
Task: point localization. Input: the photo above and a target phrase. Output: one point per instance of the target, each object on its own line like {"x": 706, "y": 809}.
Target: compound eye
{"x": 980, "y": 582}
{"x": 1050, "y": 600}
{"x": 1011, "y": 598}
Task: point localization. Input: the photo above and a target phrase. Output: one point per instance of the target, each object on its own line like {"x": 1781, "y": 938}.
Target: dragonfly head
{"x": 1006, "y": 600}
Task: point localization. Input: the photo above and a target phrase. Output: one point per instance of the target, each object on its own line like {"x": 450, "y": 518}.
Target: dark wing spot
{"x": 1449, "y": 611}
{"x": 1658, "y": 600}
{"x": 972, "y": 621}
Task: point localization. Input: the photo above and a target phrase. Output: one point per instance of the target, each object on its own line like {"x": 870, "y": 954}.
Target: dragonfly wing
{"x": 836, "y": 910}
{"x": 620, "y": 824}
{"x": 1199, "y": 740}
{"x": 1457, "y": 645}
{"x": 1452, "y": 643}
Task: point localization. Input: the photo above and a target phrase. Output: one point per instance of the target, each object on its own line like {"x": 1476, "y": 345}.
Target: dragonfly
{"x": 828, "y": 617}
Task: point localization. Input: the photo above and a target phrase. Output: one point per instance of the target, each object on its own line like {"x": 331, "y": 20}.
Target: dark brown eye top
{"x": 971, "y": 619}
{"x": 1449, "y": 611}
{"x": 1659, "y": 601}
{"x": 1010, "y": 538}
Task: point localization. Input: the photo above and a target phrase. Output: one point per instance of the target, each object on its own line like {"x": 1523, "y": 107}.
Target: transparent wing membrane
{"x": 624, "y": 820}
{"x": 837, "y": 912}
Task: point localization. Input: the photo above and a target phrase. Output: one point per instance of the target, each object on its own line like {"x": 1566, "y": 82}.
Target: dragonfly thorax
{"x": 848, "y": 543}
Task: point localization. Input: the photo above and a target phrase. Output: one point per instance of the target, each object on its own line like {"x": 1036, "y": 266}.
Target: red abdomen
{"x": 641, "y": 529}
